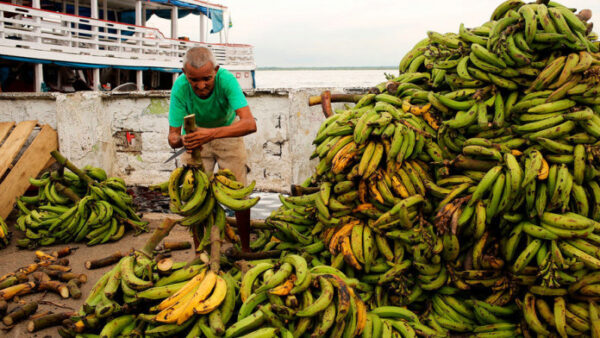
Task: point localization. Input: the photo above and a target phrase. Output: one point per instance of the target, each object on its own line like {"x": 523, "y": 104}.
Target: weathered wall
{"x": 93, "y": 126}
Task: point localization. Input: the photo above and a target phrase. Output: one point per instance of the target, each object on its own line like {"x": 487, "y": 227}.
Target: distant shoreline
{"x": 328, "y": 68}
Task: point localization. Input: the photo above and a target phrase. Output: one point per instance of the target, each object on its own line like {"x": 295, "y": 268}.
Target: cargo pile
{"x": 460, "y": 197}
{"x": 76, "y": 206}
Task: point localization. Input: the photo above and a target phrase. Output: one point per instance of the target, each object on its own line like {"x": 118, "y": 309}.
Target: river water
{"x": 321, "y": 78}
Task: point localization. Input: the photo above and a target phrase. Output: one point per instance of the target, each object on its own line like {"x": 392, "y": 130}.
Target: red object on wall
{"x": 129, "y": 137}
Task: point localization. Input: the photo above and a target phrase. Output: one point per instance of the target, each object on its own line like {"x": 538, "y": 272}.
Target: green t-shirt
{"x": 218, "y": 110}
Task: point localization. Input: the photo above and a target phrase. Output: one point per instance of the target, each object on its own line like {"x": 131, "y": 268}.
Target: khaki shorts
{"x": 229, "y": 153}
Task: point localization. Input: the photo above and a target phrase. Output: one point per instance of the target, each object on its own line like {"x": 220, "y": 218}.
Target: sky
{"x": 344, "y": 33}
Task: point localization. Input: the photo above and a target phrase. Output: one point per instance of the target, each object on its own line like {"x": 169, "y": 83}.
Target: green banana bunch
{"x": 66, "y": 209}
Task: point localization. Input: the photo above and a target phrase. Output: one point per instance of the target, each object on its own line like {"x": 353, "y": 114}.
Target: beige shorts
{"x": 229, "y": 153}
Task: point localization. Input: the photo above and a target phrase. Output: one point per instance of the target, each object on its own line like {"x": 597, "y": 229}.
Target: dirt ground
{"x": 11, "y": 258}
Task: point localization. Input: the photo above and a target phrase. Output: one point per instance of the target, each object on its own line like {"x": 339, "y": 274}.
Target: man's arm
{"x": 246, "y": 125}
{"x": 175, "y": 139}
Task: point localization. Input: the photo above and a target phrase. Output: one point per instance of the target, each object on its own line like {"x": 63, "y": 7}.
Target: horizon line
{"x": 324, "y": 67}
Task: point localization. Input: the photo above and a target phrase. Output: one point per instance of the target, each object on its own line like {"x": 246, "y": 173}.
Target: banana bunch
{"x": 97, "y": 213}
{"x": 555, "y": 316}
{"x": 4, "y": 233}
{"x": 116, "y": 302}
{"x": 200, "y": 199}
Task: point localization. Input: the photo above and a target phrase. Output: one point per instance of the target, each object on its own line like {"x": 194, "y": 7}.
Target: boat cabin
{"x": 69, "y": 45}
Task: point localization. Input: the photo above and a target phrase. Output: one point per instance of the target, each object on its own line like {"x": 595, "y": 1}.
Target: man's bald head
{"x": 198, "y": 57}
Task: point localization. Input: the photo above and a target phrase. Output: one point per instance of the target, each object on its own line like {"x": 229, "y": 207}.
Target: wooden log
{"x": 73, "y": 286}
{"x": 20, "y": 313}
{"x": 54, "y": 286}
{"x": 18, "y": 289}
{"x": 215, "y": 249}
{"x": 65, "y": 162}
{"x": 238, "y": 255}
{"x": 54, "y": 319}
{"x": 180, "y": 245}
{"x": 105, "y": 261}
{"x": 67, "y": 250}
{"x": 159, "y": 234}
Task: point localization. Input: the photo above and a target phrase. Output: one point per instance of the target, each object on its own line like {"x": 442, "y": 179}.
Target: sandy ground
{"x": 11, "y": 258}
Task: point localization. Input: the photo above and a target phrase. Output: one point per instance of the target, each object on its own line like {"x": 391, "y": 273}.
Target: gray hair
{"x": 198, "y": 57}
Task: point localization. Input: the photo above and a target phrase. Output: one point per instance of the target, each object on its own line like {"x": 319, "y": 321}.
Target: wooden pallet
{"x": 34, "y": 159}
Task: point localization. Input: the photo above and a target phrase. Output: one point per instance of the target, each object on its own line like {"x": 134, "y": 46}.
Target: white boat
{"x": 104, "y": 44}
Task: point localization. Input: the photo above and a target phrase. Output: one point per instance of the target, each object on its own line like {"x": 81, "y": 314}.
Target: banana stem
{"x": 64, "y": 251}
{"x": 314, "y": 100}
{"x": 239, "y": 255}
{"x": 65, "y": 162}
{"x": 54, "y": 319}
{"x": 215, "y": 249}
{"x": 173, "y": 246}
{"x": 254, "y": 223}
{"x": 105, "y": 261}
{"x": 20, "y": 313}
{"x": 298, "y": 190}
{"x": 158, "y": 235}
{"x": 189, "y": 125}
{"x": 67, "y": 192}
{"x": 326, "y": 103}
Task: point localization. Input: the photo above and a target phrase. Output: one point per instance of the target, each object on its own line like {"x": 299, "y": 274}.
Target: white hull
{"x": 36, "y": 34}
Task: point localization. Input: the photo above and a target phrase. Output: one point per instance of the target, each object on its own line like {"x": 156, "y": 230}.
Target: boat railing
{"x": 45, "y": 31}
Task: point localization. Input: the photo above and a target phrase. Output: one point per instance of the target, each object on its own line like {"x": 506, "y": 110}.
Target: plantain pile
{"x": 93, "y": 208}
{"x": 466, "y": 188}
{"x": 200, "y": 199}
{"x": 461, "y": 197}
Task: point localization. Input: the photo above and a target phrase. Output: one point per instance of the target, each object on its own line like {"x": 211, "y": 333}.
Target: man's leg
{"x": 231, "y": 154}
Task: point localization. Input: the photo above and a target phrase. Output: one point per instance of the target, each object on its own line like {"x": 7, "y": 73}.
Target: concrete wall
{"x": 93, "y": 126}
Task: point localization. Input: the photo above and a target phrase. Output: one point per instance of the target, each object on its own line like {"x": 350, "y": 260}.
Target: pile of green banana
{"x": 67, "y": 209}
{"x": 4, "y": 234}
{"x": 200, "y": 199}
{"x": 472, "y": 174}
{"x": 460, "y": 197}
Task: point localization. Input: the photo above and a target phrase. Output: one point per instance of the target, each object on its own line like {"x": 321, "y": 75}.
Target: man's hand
{"x": 198, "y": 138}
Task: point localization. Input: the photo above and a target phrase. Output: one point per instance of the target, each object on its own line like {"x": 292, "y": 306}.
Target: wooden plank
{"x": 13, "y": 144}
{"x": 34, "y": 159}
{"x": 5, "y": 127}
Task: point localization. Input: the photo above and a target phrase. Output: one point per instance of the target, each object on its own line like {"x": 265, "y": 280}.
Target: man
{"x": 222, "y": 116}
